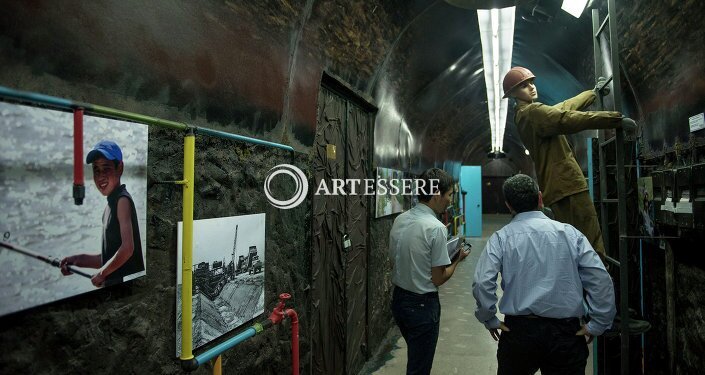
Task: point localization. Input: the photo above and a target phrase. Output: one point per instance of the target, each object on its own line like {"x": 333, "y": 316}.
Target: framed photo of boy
{"x": 103, "y": 240}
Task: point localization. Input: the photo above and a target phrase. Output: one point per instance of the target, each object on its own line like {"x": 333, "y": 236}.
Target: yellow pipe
{"x": 187, "y": 253}
{"x": 217, "y": 367}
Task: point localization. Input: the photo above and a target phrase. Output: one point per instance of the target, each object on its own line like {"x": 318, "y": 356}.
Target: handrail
{"x": 279, "y": 313}
{"x": 222, "y": 134}
{"x": 88, "y": 108}
{"x": 187, "y": 245}
{"x": 231, "y": 342}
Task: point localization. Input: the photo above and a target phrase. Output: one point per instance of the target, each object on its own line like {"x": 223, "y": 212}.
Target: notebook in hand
{"x": 453, "y": 246}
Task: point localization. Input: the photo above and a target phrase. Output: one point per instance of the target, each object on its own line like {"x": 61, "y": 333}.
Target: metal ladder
{"x": 603, "y": 46}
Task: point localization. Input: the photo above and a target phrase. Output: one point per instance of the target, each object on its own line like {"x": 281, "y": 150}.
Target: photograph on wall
{"x": 52, "y": 248}
{"x": 646, "y": 209}
{"x": 387, "y": 202}
{"x": 228, "y": 276}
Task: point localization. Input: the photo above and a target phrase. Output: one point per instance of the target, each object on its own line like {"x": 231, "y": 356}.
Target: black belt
{"x": 532, "y": 316}
{"x": 404, "y": 291}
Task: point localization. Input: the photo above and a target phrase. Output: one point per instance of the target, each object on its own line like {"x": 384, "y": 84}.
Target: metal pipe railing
{"x": 277, "y": 316}
{"x": 70, "y": 105}
{"x": 187, "y": 246}
{"x": 188, "y": 361}
{"x": 221, "y": 134}
{"x": 79, "y": 186}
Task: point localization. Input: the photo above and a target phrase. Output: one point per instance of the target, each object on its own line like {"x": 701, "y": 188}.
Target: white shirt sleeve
{"x": 439, "y": 247}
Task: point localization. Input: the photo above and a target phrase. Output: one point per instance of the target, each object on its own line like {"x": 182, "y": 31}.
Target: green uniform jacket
{"x": 542, "y": 129}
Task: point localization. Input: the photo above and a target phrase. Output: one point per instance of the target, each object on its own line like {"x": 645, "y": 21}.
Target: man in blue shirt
{"x": 546, "y": 266}
{"x": 417, "y": 247}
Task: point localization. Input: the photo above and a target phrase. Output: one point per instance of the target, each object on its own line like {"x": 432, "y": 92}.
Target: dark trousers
{"x": 547, "y": 344}
{"x": 418, "y": 317}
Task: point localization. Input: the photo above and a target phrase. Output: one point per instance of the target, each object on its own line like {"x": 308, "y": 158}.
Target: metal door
{"x": 357, "y": 167}
{"x": 339, "y": 271}
{"x": 471, "y": 182}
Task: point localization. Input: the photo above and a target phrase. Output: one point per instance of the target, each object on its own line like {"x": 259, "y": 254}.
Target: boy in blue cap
{"x": 121, "y": 253}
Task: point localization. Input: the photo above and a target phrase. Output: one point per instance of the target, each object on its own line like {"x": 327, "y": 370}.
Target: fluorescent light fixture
{"x": 497, "y": 37}
{"x": 574, "y": 7}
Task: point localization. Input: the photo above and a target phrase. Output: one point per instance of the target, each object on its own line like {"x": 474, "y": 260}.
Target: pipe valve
{"x": 277, "y": 314}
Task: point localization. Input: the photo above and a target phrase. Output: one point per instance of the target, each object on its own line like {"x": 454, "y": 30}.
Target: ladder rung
{"x": 609, "y": 200}
{"x": 650, "y": 238}
{"x": 602, "y": 26}
{"x": 612, "y": 260}
{"x": 605, "y": 143}
{"x": 607, "y": 82}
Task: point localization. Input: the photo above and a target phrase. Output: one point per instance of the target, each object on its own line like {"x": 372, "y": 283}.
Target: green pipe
{"x": 111, "y": 112}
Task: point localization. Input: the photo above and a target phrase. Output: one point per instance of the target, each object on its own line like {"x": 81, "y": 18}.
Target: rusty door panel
{"x": 357, "y": 150}
{"x": 339, "y": 275}
{"x": 328, "y": 275}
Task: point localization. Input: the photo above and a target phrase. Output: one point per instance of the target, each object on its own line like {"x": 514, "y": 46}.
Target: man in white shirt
{"x": 417, "y": 246}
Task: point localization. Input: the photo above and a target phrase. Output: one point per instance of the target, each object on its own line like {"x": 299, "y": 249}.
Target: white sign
{"x": 697, "y": 122}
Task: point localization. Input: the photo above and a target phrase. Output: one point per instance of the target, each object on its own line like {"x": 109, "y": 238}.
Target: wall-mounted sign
{"x": 697, "y": 122}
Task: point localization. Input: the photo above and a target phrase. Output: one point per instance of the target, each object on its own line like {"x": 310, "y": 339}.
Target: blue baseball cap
{"x": 108, "y": 149}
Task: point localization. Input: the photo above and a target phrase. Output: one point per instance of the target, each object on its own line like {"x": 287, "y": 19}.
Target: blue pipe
{"x": 220, "y": 134}
{"x": 641, "y": 257}
{"x": 591, "y": 180}
{"x": 37, "y": 98}
{"x": 589, "y": 168}
{"x": 220, "y": 348}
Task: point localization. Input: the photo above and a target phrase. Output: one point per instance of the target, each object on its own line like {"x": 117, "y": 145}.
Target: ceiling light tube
{"x": 497, "y": 37}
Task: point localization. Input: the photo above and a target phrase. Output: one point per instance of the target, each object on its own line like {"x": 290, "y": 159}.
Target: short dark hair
{"x": 445, "y": 183}
{"x": 521, "y": 192}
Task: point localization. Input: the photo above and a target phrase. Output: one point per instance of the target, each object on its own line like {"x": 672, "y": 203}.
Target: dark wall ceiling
{"x": 255, "y": 67}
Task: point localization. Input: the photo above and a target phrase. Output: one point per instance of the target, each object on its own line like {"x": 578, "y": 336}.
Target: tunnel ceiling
{"x": 255, "y": 67}
{"x": 443, "y": 98}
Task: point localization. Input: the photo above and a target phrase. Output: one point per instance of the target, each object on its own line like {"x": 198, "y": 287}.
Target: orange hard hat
{"x": 515, "y": 76}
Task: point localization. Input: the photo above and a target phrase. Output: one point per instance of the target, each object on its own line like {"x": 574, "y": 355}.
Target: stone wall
{"x": 130, "y": 328}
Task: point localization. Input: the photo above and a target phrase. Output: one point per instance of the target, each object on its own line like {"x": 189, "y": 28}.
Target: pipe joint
{"x": 291, "y": 313}
{"x": 189, "y": 365}
{"x": 278, "y": 312}
{"x": 79, "y": 193}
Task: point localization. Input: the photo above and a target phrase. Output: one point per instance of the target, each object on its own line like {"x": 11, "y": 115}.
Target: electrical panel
{"x": 679, "y": 197}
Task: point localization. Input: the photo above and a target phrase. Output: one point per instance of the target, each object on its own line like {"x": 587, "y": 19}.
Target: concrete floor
{"x": 464, "y": 345}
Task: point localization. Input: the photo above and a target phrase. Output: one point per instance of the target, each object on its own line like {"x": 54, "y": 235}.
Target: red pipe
{"x": 79, "y": 187}
{"x": 277, "y": 316}
{"x": 294, "y": 341}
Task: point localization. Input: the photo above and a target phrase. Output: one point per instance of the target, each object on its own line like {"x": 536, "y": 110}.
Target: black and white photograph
{"x": 53, "y": 248}
{"x": 228, "y": 275}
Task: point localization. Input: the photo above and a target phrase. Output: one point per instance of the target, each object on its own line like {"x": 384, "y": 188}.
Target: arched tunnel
{"x": 336, "y": 91}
